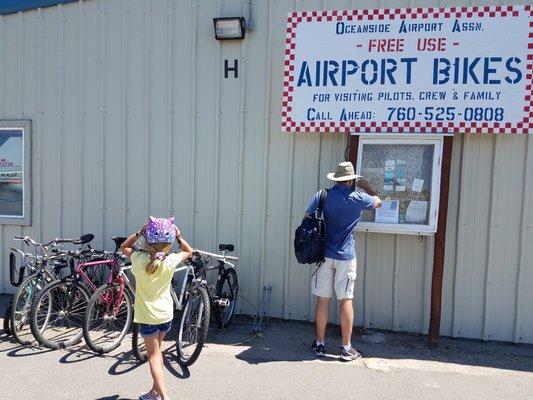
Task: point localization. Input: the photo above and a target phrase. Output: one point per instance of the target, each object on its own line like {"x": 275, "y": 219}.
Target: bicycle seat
{"x": 118, "y": 241}
{"x": 226, "y": 247}
{"x": 84, "y": 239}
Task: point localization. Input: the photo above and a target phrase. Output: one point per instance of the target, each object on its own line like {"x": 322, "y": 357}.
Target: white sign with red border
{"x": 414, "y": 70}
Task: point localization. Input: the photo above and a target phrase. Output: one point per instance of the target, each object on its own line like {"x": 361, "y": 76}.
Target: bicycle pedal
{"x": 222, "y": 302}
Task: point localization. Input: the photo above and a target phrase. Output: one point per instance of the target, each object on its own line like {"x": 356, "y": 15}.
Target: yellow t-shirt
{"x": 153, "y": 302}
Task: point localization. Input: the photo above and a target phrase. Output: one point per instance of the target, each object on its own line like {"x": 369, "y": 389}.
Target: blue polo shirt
{"x": 342, "y": 212}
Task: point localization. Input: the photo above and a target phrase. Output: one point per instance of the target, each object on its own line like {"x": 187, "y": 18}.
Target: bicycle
{"x": 194, "y": 302}
{"x": 58, "y": 310}
{"x": 38, "y": 268}
{"x": 223, "y": 296}
{"x": 109, "y": 313}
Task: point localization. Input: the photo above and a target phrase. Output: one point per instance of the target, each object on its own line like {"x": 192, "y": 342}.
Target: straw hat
{"x": 343, "y": 172}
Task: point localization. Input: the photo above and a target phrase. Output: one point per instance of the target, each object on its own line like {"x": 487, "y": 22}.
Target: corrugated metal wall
{"x": 133, "y": 116}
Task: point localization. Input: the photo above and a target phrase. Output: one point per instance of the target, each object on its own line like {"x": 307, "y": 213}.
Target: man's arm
{"x": 313, "y": 205}
{"x": 363, "y": 184}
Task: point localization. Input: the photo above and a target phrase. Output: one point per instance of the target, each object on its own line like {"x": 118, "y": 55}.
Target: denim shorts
{"x": 150, "y": 330}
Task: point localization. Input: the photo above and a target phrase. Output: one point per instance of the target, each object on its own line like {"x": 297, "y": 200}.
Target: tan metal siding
{"x": 128, "y": 98}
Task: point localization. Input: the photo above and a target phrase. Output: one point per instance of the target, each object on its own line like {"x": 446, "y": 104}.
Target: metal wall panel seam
{"x": 490, "y": 242}
{"x": 146, "y": 92}
{"x": 527, "y": 200}
{"x": 103, "y": 110}
{"x": 40, "y": 94}
{"x": 426, "y": 298}
{"x": 20, "y": 86}
{"x": 3, "y": 93}
{"x": 81, "y": 84}
{"x": 20, "y": 63}
{"x": 456, "y": 222}
{"x": 59, "y": 99}
{"x": 287, "y": 266}
{"x": 461, "y": 241}
{"x": 289, "y": 194}
{"x": 395, "y": 306}
{"x": 170, "y": 103}
{"x": 194, "y": 113}
{"x": 242, "y": 138}
{"x": 124, "y": 88}
{"x": 266, "y": 153}
{"x": 218, "y": 92}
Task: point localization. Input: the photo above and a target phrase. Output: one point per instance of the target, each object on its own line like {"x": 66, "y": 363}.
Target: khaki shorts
{"x": 338, "y": 275}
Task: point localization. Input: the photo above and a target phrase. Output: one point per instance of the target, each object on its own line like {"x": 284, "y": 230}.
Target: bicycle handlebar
{"x": 220, "y": 256}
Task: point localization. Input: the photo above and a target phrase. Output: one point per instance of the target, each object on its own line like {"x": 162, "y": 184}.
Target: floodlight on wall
{"x": 229, "y": 28}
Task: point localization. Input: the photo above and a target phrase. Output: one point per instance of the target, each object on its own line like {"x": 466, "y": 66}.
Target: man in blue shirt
{"x": 337, "y": 274}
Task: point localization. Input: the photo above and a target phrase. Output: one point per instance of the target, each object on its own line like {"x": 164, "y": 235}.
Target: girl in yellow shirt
{"x": 153, "y": 268}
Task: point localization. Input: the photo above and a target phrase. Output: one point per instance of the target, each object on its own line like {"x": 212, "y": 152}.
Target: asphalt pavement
{"x": 277, "y": 364}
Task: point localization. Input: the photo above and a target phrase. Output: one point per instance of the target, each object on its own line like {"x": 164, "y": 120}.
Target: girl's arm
{"x": 127, "y": 246}
{"x": 186, "y": 249}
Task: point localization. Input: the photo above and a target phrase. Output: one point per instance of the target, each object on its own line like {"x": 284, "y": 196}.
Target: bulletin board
{"x": 405, "y": 173}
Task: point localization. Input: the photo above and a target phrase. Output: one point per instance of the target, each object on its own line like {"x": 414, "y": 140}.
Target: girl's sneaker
{"x": 149, "y": 396}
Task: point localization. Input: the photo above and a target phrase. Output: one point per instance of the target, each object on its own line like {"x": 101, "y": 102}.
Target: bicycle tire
{"x": 15, "y": 324}
{"x": 38, "y": 333}
{"x": 137, "y": 344}
{"x": 7, "y": 320}
{"x": 222, "y": 317}
{"x": 93, "y": 305}
{"x": 202, "y": 295}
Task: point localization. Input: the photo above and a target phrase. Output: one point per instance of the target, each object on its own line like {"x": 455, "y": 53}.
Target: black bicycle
{"x": 195, "y": 301}
{"x": 37, "y": 268}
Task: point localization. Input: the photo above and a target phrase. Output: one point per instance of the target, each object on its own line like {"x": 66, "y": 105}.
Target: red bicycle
{"x": 109, "y": 313}
{"x": 58, "y": 310}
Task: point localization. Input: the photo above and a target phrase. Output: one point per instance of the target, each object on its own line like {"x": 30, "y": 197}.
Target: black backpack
{"x": 310, "y": 236}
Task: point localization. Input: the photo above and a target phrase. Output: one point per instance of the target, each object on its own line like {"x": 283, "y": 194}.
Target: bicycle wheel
{"x": 137, "y": 344}
{"x": 107, "y": 318}
{"x": 57, "y": 314}
{"x": 226, "y": 293}
{"x": 7, "y": 320}
{"x": 193, "y": 326}
{"x": 21, "y": 308}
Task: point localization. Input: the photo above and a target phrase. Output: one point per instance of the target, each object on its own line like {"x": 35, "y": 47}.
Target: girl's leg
{"x": 160, "y": 338}
{"x": 155, "y": 358}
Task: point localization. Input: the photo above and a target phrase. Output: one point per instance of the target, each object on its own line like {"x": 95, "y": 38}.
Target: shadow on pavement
{"x": 291, "y": 341}
{"x": 78, "y": 354}
{"x": 25, "y": 351}
{"x": 125, "y": 363}
{"x": 114, "y": 397}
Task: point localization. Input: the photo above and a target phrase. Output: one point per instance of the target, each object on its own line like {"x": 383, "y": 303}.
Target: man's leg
{"x": 321, "y": 317}
{"x": 346, "y": 314}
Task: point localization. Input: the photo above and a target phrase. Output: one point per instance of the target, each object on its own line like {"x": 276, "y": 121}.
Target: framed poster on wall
{"x": 405, "y": 172}
{"x": 15, "y": 172}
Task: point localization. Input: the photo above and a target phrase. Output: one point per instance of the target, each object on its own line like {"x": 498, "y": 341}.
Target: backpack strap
{"x": 322, "y": 203}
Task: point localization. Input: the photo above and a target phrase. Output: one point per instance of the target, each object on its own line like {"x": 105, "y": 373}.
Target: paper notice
{"x": 400, "y": 176}
{"x": 416, "y": 211}
{"x": 417, "y": 185}
{"x": 388, "y": 212}
{"x": 388, "y": 175}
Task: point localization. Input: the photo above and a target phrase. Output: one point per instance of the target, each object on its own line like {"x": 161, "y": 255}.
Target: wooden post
{"x": 353, "y": 144}
{"x": 440, "y": 243}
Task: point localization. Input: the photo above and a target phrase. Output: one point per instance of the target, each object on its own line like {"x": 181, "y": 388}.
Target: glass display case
{"x": 405, "y": 172}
